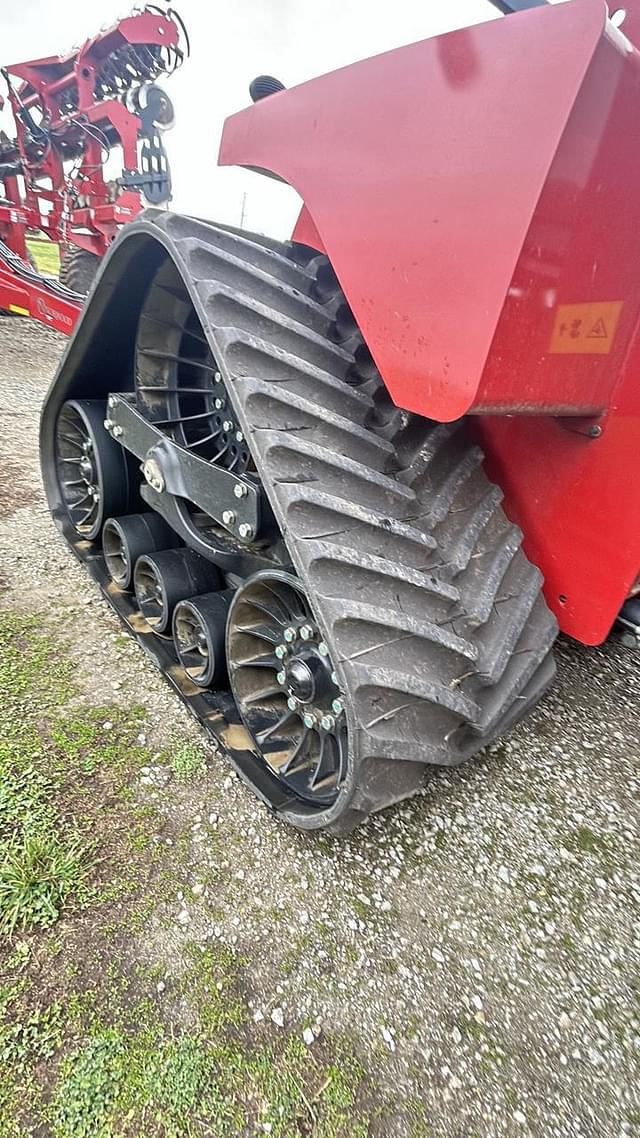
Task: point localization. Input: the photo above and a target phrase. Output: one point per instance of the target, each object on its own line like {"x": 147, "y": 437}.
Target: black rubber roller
{"x": 126, "y": 539}
{"x": 162, "y": 580}
{"x": 199, "y": 626}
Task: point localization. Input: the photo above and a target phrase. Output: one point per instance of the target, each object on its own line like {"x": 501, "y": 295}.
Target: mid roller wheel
{"x": 285, "y": 687}
{"x": 162, "y": 580}
{"x": 90, "y": 466}
{"x": 199, "y": 637}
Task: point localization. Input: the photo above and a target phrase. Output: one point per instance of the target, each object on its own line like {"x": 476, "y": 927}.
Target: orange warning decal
{"x": 586, "y": 329}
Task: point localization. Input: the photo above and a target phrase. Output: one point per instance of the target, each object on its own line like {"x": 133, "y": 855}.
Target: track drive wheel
{"x": 286, "y": 688}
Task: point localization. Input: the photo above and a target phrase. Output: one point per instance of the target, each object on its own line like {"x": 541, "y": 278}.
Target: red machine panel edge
{"x": 424, "y": 213}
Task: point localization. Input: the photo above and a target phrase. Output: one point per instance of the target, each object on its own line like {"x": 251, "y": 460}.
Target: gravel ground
{"x": 480, "y": 945}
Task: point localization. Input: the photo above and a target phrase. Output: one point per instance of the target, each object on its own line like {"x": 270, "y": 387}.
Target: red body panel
{"x": 478, "y": 196}
{"x": 422, "y": 170}
{"x": 26, "y": 299}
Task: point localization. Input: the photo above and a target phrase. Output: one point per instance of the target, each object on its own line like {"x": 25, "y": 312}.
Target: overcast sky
{"x": 231, "y": 42}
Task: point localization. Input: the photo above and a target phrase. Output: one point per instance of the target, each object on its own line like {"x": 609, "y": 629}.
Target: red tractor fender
{"x": 421, "y": 170}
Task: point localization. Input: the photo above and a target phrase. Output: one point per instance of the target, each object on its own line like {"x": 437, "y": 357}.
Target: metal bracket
{"x": 235, "y": 503}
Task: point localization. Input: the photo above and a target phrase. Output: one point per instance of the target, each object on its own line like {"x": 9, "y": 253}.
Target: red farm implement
{"x": 71, "y": 113}
{"x": 345, "y": 489}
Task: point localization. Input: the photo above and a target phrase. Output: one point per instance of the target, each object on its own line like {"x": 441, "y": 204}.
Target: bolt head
{"x": 322, "y": 648}
{"x": 227, "y": 425}
{"x": 245, "y": 530}
{"x": 111, "y": 401}
{"x": 240, "y": 490}
{"x": 281, "y": 678}
{"x": 306, "y": 632}
{"x": 218, "y": 403}
{"x": 281, "y": 651}
{"x": 309, "y": 720}
{"x": 334, "y": 679}
{"x": 108, "y": 423}
{"x": 327, "y": 722}
{"x": 290, "y": 635}
{"x": 292, "y": 703}
{"x": 217, "y": 377}
{"x": 239, "y": 437}
{"x": 228, "y": 517}
{"x": 153, "y": 475}
{"x": 117, "y": 431}
{"x": 337, "y": 707}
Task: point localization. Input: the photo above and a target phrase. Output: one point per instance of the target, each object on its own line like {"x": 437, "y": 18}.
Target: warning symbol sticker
{"x": 585, "y": 329}
{"x": 599, "y": 331}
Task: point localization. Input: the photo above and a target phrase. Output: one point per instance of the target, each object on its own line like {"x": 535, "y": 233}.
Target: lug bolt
{"x": 217, "y": 377}
{"x": 228, "y": 517}
{"x": 292, "y": 703}
{"x": 327, "y": 722}
{"x": 281, "y": 651}
{"x": 337, "y": 707}
{"x": 309, "y": 720}
{"x": 306, "y": 632}
{"x": 281, "y": 678}
{"x": 334, "y": 679}
{"x": 218, "y": 403}
{"x": 239, "y": 437}
{"x": 227, "y": 425}
{"x": 322, "y": 648}
{"x": 117, "y": 431}
{"x": 246, "y": 531}
{"x": 290, "y": 635}
{"x": 95, "y": 496}
{"x": 108, "y": 423}
{"x": 111, "y": 402}
{"x": 240, "y": 490}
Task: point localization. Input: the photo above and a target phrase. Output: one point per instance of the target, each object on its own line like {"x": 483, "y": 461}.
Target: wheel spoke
{"x": 289, "y": 766}
{"x": 264, "y": 693}
{"x": 261, "y": 736}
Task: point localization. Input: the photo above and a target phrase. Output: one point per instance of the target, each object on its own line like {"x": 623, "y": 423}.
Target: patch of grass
{"x": 583, "y": 840}
{"x": 46, "y": 256}
{"x": 30, "y": 665}
{"x": 98, "y": 738}
{"x": 213, "y": 978}
{"x": 188, "y": 763}
{"x": 38, "y": 873}
{"x": 90, "y": 1083}
{"x": 43, "y": 861}
{"x": 31, "y": 1038}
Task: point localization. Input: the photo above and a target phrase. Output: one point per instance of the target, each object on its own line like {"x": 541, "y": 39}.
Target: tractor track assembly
{"x": 342, "y": 600}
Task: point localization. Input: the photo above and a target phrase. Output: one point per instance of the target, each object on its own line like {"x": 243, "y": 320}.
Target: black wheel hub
{"x": 285, "y": 686}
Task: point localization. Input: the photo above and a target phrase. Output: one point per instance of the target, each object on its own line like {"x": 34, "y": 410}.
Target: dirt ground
{"x": 476, "y": 952}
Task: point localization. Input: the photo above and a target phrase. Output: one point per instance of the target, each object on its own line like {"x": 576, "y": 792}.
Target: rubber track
{"x": 433, "y": 616}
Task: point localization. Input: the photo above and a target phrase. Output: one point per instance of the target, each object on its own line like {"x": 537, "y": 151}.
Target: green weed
{"x": 188, "y": 763}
